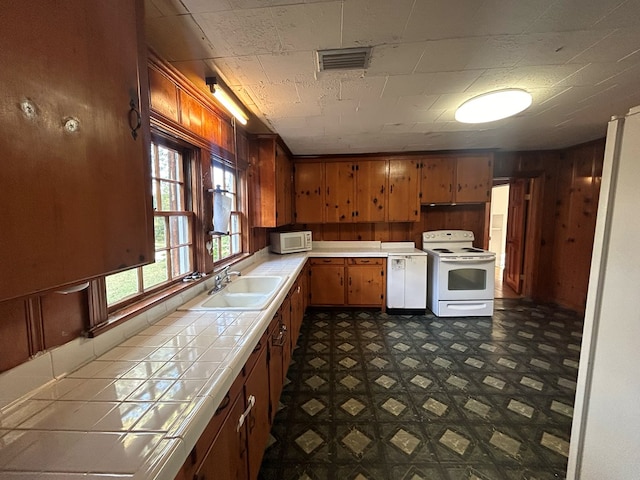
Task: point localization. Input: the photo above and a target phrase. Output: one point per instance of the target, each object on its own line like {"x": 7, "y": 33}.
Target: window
{"x": 229, "y": 243}
{"x": 173, "y": 217}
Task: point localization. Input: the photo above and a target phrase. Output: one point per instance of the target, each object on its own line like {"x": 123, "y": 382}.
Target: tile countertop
{"x": 137, "y": 411}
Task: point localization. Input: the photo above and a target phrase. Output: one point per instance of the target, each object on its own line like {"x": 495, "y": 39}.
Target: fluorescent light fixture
{"x": 226, "y": 101}
{"x": 492, "y": 106}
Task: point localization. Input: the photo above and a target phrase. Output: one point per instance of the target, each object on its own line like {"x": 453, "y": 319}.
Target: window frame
{"x": 190, "y": 170}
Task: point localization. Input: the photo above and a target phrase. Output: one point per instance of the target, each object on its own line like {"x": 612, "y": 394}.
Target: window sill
{"x": 126, "y": 313}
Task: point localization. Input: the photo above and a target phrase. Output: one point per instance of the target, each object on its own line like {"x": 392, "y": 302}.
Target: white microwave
{"x": 290, "y": 242}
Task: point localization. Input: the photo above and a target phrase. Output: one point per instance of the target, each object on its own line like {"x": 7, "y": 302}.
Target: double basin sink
{"x": 243, "y": 293}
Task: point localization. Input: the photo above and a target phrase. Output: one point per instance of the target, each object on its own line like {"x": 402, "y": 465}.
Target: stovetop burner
{"x": 442, "y": 250}
{"x": 472, "y": 249}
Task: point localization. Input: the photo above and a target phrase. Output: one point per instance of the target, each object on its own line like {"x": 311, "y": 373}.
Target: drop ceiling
{"x": 580, "y": 59}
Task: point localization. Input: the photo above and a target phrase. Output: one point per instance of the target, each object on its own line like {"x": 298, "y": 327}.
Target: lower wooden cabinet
{"x": 233, "y": 443}
{"x": 226, "y": 458}
{"x": 347, "y": 281}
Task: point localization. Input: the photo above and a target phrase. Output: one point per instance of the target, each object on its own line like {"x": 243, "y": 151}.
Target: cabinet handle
{"x": 245, "y": 414}
{"x": 341, "y": 281}
{"x": 135, "y": 119}
{"x": 258, "y": 347}
{"x": 327, "y": 190}
{"x": 365, "y": 261}
{"x": 224, "y": 404}
{"x": 390, "y": 188}
{"x": 459, "y": 187}
{"x": 349, "y": 281}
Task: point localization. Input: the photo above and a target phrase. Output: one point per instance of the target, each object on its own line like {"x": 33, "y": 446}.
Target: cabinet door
{"x": 371, "y": 191}
{"x": 226, "y": 459}
{"x": 437, "y": 179}
{"x": 297, "y": 311}
{"x": 474, "y": 179}
{"x": 309, "y": 188}
{"x": 365, "y": 284}
{"x": 404, "y": 190}
{"x": 258, "y": 422}
{"x": 327, "y": 285}
{"x": 339, "y": 192}
{"x": 284, "y": 188}
{"x": 285, "y": 318}
{"x": 75, "y": 194}
{"x": 277, "y": 338}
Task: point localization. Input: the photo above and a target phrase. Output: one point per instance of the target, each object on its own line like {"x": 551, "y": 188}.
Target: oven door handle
{"x": 468, "y": 261}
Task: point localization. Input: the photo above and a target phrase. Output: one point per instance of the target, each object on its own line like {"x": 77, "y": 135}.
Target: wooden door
{"x": 404, "y": 190}
{"x": 75, "y": 182}
{"x": 437, "y": 179}
{"x": 339, "y": 192}
{"x": 514, "y": 250}
{"x": 327, "y": 284}
{"x": 226, "y": 459}
{"x": 474, "y": 179}
{"x": 365, "y": 282}
{"x": 284, "y": 188}
{"x": 371, "y": 191}
{"x": 309, "y": 192}
{"x": 258, "y": 422}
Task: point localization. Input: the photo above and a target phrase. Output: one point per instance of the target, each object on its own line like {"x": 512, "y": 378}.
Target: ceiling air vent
{"x": 343, "y": 59}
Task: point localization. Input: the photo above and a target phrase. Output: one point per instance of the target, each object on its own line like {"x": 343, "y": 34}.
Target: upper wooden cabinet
{"x": 74, "y": 111}
{"x": 309, "y": 192}
{"x": 272, "y": 172}
{"x": 367, "y": 190}
{"x": 457, "y": 179}
{"x": 404, "y": 190}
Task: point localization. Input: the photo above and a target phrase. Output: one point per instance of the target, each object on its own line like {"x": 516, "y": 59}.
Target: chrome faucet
{"x": 222, "y": 279}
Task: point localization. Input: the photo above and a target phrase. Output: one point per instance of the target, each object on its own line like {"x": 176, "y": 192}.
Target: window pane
{"x": 155, "y": 273}
{"x": 122, "y": 285}
{"x": 229, "y": 181}
{"x": 215, "y": 248}
{"x": 183, "y": 260}
{"x": 172, "y": 196}
{"x": 159, "y": 227}
{"x": 179, "y": 230}
{"x": 226, "y": 246}
{"x": 236, "y": 244}
{"x": 164, "y": 161}
{"x": 218, "y": 177}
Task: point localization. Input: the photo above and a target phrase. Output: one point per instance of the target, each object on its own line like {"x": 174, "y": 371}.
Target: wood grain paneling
{"x": 163, "y": 95}
{"x": 67, "y": 316}
{"x": 14, "y": 333}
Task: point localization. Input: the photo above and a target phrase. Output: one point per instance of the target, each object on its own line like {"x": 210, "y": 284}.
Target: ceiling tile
{"x": 245, "y": 70}
{"x": 187, "y": 46}
{"x": 362, "y": 88}
{"x": 288, "y": 66}
{"x": 429, "y": 83}
{"x": 569, "y": 15}
{"x": 395, "y": 59}
{"x": 308, "y": 26}
{"x": 374, "y": 22}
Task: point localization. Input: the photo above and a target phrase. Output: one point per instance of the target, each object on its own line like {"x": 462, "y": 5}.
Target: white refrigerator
{"x": 605, "y": 436}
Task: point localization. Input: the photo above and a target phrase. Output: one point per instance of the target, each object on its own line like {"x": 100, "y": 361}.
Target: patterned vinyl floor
{"x": 374, "y": 396}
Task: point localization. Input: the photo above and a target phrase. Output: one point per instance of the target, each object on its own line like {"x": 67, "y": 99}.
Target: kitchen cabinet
{"x": 372, "y": 179}
{"x": 371, "y": 191}
{"x": 226, "y": 456}
{"x": 309, "y": 196}
{"x": 365, "y": 282}
{"x": 404, "y": 190}
{"x": 350, "y": 282}
{"x": 278, "y": 337}
{"x": 339, "y": 192}
{"x": 76, "y": 182}
{"x": 457, "y": 179}
{"x": 272, "y": 180}
{"x": 326, "y": 281}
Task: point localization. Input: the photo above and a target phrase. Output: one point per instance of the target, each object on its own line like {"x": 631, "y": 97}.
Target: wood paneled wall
{"x": 464, "y": 217}
{"x": 571, "y": 186}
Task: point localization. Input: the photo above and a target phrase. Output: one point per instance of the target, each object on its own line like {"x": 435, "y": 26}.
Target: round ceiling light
{"x": 492, "y": 106}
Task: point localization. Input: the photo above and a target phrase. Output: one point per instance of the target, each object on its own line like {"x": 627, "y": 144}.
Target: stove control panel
{"x": 448, "y": 236}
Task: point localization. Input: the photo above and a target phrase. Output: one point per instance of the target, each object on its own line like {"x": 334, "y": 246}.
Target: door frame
{"x": 533, "y": 228}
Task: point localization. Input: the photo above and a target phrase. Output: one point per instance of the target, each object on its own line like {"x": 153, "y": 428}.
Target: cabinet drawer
{"x": 327, "y": 261}
{"x": 366, "y": 261}
{"x": 211, "y": 431}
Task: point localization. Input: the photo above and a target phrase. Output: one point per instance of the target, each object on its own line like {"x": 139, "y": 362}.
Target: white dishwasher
{"x": 406, "y": 275}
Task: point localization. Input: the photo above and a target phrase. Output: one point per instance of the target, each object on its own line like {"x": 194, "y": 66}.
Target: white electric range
{"x": 460, "y": 277}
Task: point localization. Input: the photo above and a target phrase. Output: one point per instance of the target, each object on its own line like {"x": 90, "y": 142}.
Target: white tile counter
{"x": 136, "y": 409}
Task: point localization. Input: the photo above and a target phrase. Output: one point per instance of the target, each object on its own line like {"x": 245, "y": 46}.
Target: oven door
{"x": 466, "y": 278}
